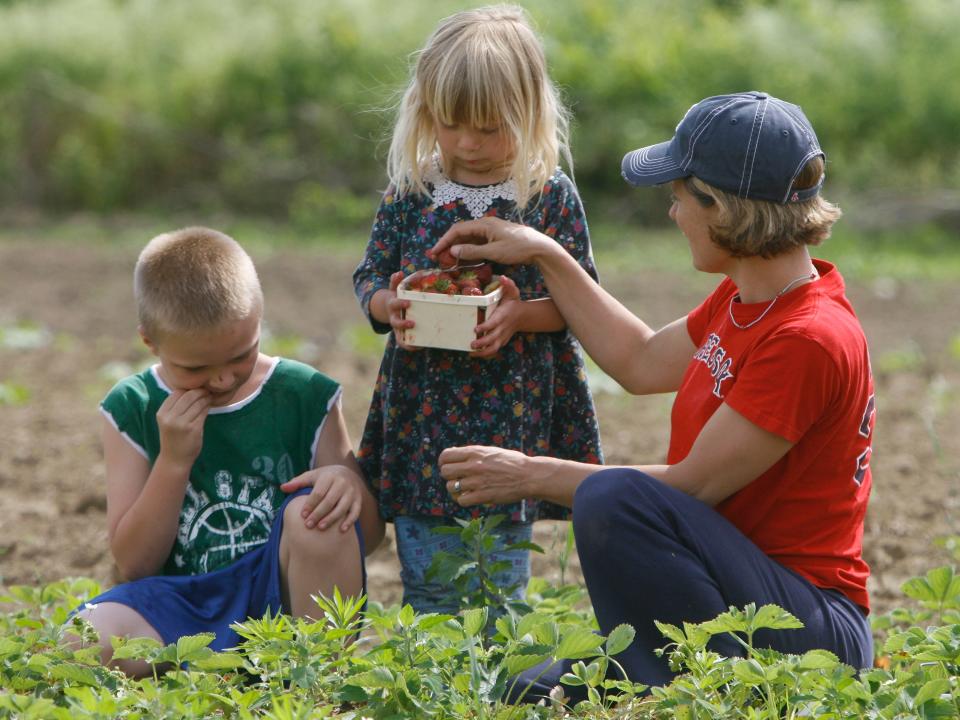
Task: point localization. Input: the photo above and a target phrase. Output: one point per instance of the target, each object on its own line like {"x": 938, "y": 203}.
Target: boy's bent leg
{"x": 315, "y": 561}
{"x": 650, "y": 552}
{"x": 111, "y": 619}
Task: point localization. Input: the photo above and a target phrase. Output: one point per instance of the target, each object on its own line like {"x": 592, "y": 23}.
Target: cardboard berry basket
{"x": 444, "y": 321}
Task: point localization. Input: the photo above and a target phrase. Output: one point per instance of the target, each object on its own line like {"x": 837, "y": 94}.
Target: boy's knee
{"x": 302, "y": 541}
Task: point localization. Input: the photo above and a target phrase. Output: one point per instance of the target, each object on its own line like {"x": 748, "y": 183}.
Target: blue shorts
{"x": 417, "y": 545}
{"x": 179, "y": 605}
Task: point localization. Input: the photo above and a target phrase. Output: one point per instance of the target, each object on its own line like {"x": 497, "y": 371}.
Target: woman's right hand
{"x": 495, "y": 239}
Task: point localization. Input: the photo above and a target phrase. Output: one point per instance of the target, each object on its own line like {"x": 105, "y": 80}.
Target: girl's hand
{"x": 491, "y": 238}
{"x": 396, "y": 308}
{"x": 502, "y": 324}
{"x": 180, "y": 420}
{"x": 336, "y": 496}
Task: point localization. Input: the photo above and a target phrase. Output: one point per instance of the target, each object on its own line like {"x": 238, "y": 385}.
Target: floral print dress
{"x": 531, "y": 396}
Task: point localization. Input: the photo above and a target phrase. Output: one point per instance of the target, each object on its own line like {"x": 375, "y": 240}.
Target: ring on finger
{"x": 457, "y": 488}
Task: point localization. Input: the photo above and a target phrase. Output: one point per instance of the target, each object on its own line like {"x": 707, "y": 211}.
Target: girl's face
{"x": 475, "y": 156}
{"x": 219, "y": 361}
{"x": 694, "y": 221}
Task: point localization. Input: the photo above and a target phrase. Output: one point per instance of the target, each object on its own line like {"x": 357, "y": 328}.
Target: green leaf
{"x": 939, "y": 586}
{"x": 135, "y": 648}
{"x": 474, "y": 620}
{"x": 775, "y": 618}
{"x": 528, "y": 658}
{"x": 74, "y": 673}
{"x": 577, "y": 642}
{"x": 378, "y": 677}
{"x": 620, "y": 638}
{"x": 671, "y": 632}
{"x": 818, "y": 660}
{"x": 931, "y": 690}
{"x": 219, "y": 662}
{"x": 749, "y": 671}
{"x": 191, "y": 647}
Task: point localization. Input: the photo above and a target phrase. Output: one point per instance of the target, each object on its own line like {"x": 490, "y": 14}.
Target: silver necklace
{"x": 812, "y": 275}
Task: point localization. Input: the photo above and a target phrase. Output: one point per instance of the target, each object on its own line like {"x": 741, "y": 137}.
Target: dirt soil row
{"x": 52, "y": 523}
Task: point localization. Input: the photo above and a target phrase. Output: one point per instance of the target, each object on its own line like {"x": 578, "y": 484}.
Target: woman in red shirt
{"x": 763, "y": 493}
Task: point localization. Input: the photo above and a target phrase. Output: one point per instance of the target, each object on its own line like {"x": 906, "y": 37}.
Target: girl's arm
{"x": 540, "y": 315}
{"x": 381, "y": 259}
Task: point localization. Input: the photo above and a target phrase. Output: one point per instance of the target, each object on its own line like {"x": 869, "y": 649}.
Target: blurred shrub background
{"x": 281, "y": 108}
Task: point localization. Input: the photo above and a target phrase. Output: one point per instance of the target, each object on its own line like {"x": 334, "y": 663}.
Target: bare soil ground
{"x": 52, "y": 523}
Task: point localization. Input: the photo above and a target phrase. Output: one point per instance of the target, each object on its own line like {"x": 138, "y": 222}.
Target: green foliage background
{"x": 282, "y": 107}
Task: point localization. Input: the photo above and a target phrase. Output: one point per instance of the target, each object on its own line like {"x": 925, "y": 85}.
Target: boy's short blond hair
{"x": 748, "y": 228}
{"x": 193, "y": 280}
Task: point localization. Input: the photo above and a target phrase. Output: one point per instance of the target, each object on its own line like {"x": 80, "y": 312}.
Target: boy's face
{"x": 219, "y": 361}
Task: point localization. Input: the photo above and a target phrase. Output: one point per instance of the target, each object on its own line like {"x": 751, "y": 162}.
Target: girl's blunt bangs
{"x": 457, "y": 91}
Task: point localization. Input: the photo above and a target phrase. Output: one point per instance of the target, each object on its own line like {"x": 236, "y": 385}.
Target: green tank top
{"x": 249, "y": 449}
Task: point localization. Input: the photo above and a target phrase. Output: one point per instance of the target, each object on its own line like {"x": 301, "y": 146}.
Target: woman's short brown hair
{"x": 749, "y": 228}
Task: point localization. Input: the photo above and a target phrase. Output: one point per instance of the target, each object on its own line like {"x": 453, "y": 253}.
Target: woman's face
{"x": 694, "y": 221}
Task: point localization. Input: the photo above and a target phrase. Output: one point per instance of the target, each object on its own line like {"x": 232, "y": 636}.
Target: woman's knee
{"x": 606, "y": 503}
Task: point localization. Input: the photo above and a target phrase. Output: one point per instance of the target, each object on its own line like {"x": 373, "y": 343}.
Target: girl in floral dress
{"x": 479, "y": 132}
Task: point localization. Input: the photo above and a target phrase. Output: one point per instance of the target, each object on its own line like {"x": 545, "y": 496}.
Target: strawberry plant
{"x": 357, "y": 661}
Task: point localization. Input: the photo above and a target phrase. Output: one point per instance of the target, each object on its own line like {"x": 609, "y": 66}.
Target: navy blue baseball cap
{"x": 750, "y": 144}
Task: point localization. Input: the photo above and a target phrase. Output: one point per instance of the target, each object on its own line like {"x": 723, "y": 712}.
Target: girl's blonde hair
{"x": 193, "y": 280}
{"x": 747, "y": 228}
{"x": 483, "y": 68}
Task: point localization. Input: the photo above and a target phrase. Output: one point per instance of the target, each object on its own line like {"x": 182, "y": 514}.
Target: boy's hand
{"x": 497, "y": 330}
{"x": 396, "y": 308}
{"x": 335, "y": 498}
{"x": 180, "y": 420}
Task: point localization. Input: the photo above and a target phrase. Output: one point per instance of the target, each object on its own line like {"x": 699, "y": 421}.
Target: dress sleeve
{"x": 565, "y": 220}
{"x": 381, "y": 258}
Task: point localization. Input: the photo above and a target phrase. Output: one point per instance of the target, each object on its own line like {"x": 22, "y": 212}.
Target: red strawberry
{"x": 446, "y": 259}
{"x": 484, "y": 274}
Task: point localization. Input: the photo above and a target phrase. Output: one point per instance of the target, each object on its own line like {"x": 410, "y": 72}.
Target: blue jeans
{"x": 650, "y": 552}
{"x": 417, "y": 545}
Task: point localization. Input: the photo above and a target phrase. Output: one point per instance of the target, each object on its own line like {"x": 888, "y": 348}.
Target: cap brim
{"x": 652, "y": 165}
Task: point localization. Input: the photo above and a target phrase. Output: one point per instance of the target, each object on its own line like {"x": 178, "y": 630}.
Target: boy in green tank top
{"x": 232, "y": 487}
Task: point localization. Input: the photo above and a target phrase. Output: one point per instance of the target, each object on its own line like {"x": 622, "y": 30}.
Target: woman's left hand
{"x": 478, "y": 474}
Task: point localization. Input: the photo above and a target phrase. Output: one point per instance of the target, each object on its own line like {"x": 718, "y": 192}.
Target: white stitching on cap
{"x": 702, "y": 128}
{"x": 753, "y": 143}
{"x": 654, "y": 167}
{"x": 809, "y": 156}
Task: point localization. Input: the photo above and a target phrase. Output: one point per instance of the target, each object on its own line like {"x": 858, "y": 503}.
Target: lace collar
{"x": 477, "y": 198}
